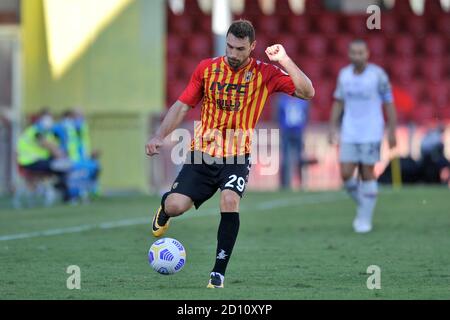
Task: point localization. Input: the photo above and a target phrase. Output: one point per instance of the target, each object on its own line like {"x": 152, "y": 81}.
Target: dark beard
{"x": 235, "y": 64}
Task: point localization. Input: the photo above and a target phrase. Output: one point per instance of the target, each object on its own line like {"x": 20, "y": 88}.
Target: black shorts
{"x": 202, "y": 175}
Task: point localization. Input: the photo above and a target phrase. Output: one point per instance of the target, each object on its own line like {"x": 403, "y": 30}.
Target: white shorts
{"x": 364, "y": 153}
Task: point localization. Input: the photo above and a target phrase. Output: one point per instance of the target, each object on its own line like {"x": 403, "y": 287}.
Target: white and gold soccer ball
{"x": 167, "y": 256}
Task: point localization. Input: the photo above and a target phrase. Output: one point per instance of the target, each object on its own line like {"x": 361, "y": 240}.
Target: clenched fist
{"x": 151, "y": 148}
{"x": 276, "y": 53}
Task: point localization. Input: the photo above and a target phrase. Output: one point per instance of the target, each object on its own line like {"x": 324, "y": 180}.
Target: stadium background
{"x": 126, "y": 61}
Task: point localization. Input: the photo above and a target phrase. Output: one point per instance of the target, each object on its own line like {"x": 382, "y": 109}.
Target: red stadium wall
{"x": 413, "y": 49}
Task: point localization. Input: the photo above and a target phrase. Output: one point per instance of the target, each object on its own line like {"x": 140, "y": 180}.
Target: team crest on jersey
{"x": 248, "y": 76}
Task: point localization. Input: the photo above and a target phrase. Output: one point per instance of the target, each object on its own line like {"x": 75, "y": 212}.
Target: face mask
{"x": 46, "y": 122}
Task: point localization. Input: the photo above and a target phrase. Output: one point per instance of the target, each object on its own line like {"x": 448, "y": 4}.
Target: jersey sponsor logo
{"x": 229, "y": 87}
{"x": 228, "y": 105}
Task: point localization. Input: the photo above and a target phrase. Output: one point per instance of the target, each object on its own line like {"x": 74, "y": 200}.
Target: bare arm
{"x": 303, "y": 85}
{"x": 172, "y": 120}
{"x": 336, "y": 112}
{"x": 51, "y": 147}
{"x": 391, "y": 116}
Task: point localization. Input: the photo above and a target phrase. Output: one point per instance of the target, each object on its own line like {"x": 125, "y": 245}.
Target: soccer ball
{"x": 167, "y": 256}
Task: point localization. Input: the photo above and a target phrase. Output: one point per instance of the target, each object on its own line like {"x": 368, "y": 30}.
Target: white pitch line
{"x": 267, "y": 205}
{"x": 77, "y": 229}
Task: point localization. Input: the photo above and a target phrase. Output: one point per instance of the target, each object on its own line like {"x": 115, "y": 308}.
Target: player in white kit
{"x": 362, "y": 90}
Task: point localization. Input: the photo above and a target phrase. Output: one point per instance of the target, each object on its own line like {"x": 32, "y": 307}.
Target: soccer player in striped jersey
{"x": 233, "y": 90}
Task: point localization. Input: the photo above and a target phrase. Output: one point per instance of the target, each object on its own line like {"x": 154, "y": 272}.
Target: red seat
{"x": 175, "y": 62}
{"x": 440, "y": 93}
{"x": 316, "y": 45}
{"x": 402, "y": 69}
{"x": 444, "y": 112}
{"x": 324, "y": 95}
{"x": 378, "y": 45}
{"x": 252, "y": 8}
{"x": 443, "y": 24}
{"x": 171, "y": 72}
{"x": 434, "y": 45}
{"x": 389, "y": 23}
{"x": 334, "y": 65}
{"x": 402, "y": 8}
{"x": 356, "y": 25}
{"x": 425, "y": 113}
{"x": 328, "y": 23}
{"x": 282, "y": 7}
{"x": 433, "y": 8}
{"x": 175, "y": 45}
{"x": 446, "y": 62}
{"x": 192, "y": 8}
{"x": 186, "y": 67}
{"x": 262, "y": 42}
{"x": 404, "y": 102}
{"x": 299, "y": 25}
{"x": 341, "y": 44}
{"x": 290, "y": 43}
{"x": 313, "y": 68}
{"x": 269, "y": 25}
{"x": 404, "y": 46}
{"x": 180, "y": 25}
{"x": 170, "y": 97}
{"x": 313, "y": 7}
{"x": 200, "y": 46}
{"x": 432, "y": 70}
{"x": 416, "y": 25}
{"x": 174, "y": 90}
{"x": 416, "y": 89}
{"x": 204, "y": 25}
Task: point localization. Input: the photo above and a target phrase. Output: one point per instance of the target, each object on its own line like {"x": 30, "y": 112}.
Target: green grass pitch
{"x": 291, "y": 246}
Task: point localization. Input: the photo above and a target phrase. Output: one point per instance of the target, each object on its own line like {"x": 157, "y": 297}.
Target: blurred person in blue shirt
{"x": 73, "y": 137}
{"x": 88, "y": 156}
{"x": 292, "y": 120}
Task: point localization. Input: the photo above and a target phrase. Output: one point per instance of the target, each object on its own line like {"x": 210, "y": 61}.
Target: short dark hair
{"x": 242, "y": 29}
{"x": 44, "y": 111}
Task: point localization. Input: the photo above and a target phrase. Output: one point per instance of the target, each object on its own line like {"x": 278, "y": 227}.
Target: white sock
{"x": 352, "y": 187}
{"x": 368, "y": 199}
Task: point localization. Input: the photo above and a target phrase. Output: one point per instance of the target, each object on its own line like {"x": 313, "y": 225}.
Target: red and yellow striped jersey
{"x": 232, "y": 103}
